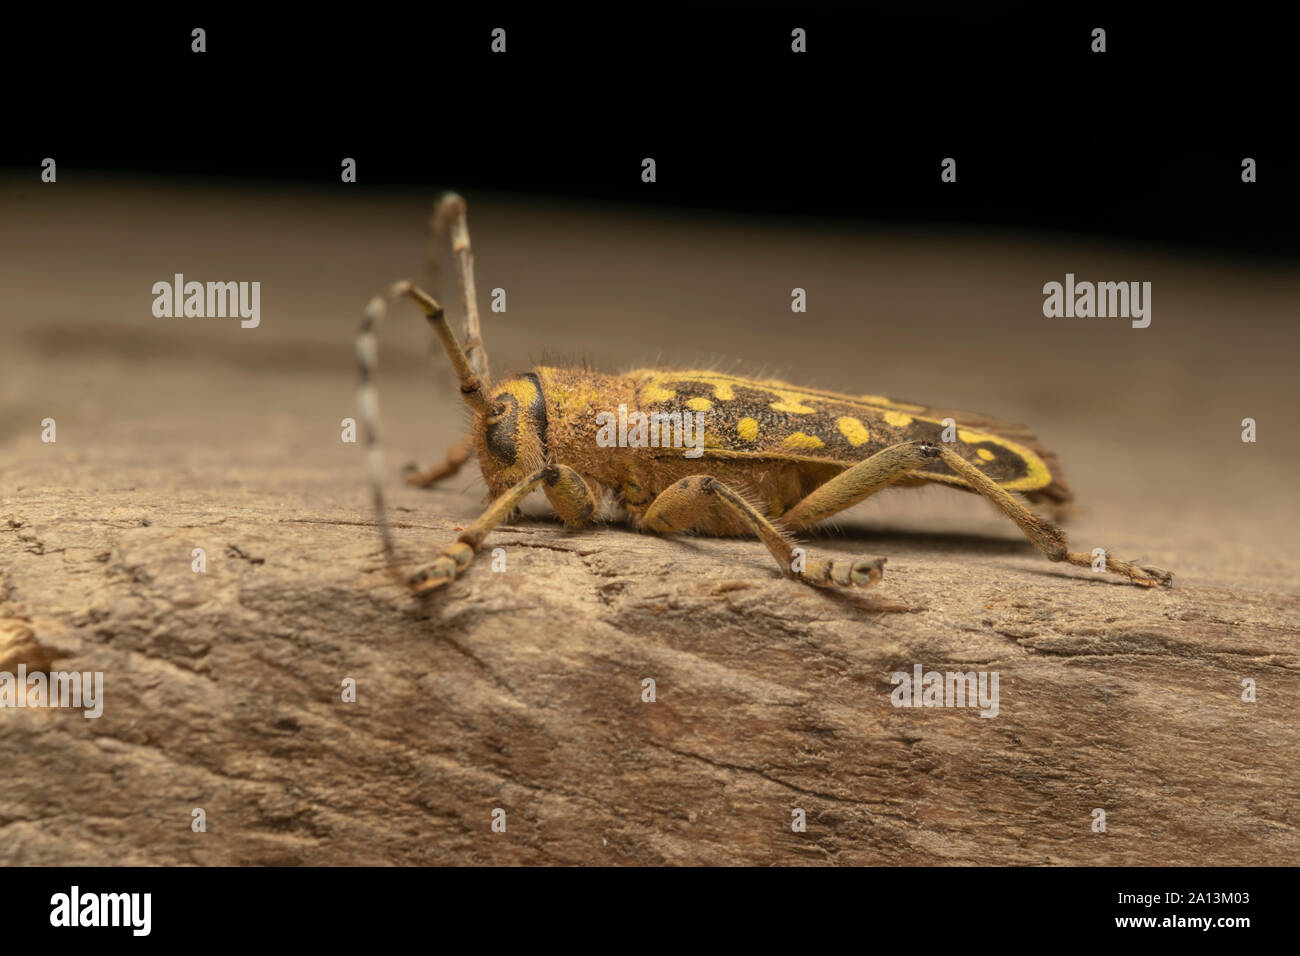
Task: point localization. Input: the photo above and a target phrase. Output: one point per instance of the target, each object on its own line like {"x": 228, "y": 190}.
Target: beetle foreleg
{"x": 563, "y": 487}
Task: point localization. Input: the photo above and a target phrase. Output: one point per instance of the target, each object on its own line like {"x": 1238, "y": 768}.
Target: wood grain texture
{"x": 522, "y": 690}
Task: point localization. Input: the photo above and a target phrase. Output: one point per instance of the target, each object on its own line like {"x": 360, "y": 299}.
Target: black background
{"x": 1143, "y": 142}
{"x": 915, "y": 909}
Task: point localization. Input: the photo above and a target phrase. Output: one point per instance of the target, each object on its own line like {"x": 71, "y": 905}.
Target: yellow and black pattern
{"x": 764, "y": 418}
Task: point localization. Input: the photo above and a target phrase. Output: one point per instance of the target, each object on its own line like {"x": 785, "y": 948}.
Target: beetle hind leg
{"x": 1049, "y": 539}
{"x": 885, "y": 467}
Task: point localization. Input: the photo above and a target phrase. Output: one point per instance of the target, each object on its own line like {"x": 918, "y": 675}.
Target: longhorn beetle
{"x": 774, "y": 458}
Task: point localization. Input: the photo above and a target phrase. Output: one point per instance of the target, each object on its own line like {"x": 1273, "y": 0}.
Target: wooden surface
{"x": 522, "y": 690}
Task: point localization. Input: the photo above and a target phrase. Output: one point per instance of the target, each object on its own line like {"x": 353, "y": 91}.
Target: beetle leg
{"x": 1047, "y": 537}
{"x": 564, "y": 488}
{"x": 882, "y": 469}
{"x": 457, "y": 455}
{"x": 570, "y": 496}
{"x": 859, "y": 482}
{"x": 685, "y": 504}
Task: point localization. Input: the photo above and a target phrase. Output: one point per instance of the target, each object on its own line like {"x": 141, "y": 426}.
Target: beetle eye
{"x": 500, "y": 430}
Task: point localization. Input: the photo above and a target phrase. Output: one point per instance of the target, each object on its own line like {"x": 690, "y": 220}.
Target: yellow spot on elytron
{"x": 970, "y": 437}
{"x": 722, "y": 392}
{"x": 853, "y": 430}
{"x": 699, "y": 404}
{"x": 747, "y": 429}
{"x": 898, "y": 419}
{"x": 984, "y": 453}
{"x": 801, "y": 441}
{"x": 652, "y": 394}
{"x": 523, "y": 390}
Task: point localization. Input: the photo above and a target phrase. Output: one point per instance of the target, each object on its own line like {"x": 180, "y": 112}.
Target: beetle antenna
{"x": 450, "y": 209}
{"x": 472, "y": 387}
